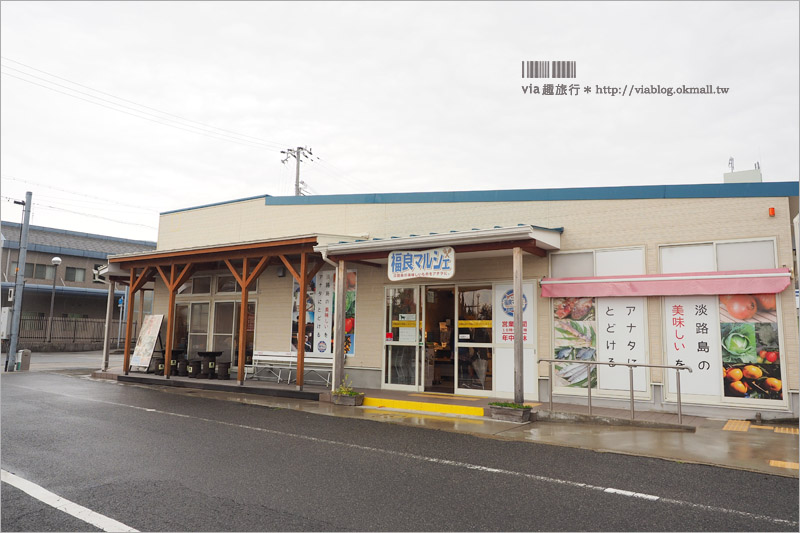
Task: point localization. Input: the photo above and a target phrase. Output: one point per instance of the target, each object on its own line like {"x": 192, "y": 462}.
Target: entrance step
{"x": 427, "y": 407}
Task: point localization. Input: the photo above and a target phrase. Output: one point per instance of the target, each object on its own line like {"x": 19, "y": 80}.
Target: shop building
{"x": 685, "y": 275}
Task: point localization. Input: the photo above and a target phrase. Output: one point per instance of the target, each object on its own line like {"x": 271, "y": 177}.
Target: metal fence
{"x": 630, "y": 367}
{"x": 71, "y": 329}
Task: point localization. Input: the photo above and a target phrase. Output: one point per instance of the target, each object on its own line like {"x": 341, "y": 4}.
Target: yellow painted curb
{"x": 785, "y": 464}
{"x": 424, "y": 406}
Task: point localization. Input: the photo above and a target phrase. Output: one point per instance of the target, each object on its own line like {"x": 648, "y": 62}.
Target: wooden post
{"x": 242, "y": 325}
{"x": 127, "y": 357}
{"x": 301, "y": 323}
{"x": 170, "y": 321}
{"x": 519, "y": 384}
{"x": 338, "y": 319}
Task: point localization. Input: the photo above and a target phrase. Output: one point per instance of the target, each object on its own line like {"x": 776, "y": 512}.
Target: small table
{"x": 209, "y": 362}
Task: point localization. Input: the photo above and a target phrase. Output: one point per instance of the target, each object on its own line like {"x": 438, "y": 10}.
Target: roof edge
{"x": 634, "y": 192}
{"x": 79, "y": 234}
{"x": 265, "y": 196}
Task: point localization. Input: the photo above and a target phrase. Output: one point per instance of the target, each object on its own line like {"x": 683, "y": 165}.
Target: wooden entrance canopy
{"x": 246, "y": 262}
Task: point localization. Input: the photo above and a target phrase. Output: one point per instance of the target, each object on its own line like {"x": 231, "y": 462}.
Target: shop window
{"x": 475, "y": 314}
{"x": 687, "y": 258}
{"x": 718, "y": 256}
{"x": 223, "y": 329}
{"x": 619, "y": 262}
{"x": 75, "y": 274}
{"x": 250, "y": 331}
{"x": 201, "y": 285}
{"x": 198, "y": 328}
{"x": 181, "y": 335}
{"x": 572, "y": 265}
{"x": 750, "y": 255}
{"x": 475, "y": 329}
{"x": 609, "y": 262}
{"x": 186, "y": 288}
{"x": 227, "y": 284}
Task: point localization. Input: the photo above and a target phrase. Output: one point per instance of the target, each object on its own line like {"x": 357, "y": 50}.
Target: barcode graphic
{"x": 535, "y": 69}
{"x": 541, "y": 69}
{"x": 563, "y": 69}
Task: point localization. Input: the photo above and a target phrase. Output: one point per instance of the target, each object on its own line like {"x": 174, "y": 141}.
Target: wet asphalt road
{"x": 167, "y": 462}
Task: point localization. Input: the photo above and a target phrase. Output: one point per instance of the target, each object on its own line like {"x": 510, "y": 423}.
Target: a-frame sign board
{"x": 151, "y": 328}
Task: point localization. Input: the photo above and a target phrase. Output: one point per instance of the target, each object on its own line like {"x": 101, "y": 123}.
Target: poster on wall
{"x": 692, "y": 338}
{"x": 319, "y": 309}
{"x": 349, "y": 312}
{"x": 504, "y": 311}
{"x": 575, "y": 339}
{"x": 620, "y": 338}
{"x": 751, "y": 354}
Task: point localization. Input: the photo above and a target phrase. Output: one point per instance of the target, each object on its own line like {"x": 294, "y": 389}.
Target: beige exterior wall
{"x": 588, "y": 225}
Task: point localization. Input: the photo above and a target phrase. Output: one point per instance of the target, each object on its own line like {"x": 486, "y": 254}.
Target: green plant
{"x": 510, "y": 404}
{"x": 345, "y": 388}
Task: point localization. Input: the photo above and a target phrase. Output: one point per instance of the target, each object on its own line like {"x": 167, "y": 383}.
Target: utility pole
{"x": 297, "y": 153}
{"x": 19, "y": 282}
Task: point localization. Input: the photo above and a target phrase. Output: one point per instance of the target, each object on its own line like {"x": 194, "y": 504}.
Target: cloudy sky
{"x": 113, "y": 112}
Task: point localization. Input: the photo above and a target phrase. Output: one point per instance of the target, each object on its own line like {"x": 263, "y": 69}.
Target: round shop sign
{"x": 507, "y": 303}
{"x": 322, "y": 346}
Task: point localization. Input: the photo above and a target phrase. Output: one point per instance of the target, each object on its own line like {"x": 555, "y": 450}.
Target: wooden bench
{"x": 270, "y": 364}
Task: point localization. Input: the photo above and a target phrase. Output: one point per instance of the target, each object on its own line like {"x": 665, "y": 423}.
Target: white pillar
{"x": 519, "y": 387}
{"x": 338, "y": 319}
{"x": 109, "y": 320}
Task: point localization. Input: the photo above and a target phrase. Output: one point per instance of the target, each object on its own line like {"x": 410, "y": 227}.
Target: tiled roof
{"x": 48, "y": 239}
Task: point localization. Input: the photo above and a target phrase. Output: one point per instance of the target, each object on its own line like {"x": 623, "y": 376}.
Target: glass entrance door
{"x": 401, "y": 368}
{"x": 440, "y": 349}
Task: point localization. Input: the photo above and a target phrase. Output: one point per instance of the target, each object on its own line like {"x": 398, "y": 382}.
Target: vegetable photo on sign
{"x": 750, "y": 346}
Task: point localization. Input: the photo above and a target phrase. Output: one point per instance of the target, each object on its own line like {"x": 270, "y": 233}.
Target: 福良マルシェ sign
{"x": 434, "y": 263}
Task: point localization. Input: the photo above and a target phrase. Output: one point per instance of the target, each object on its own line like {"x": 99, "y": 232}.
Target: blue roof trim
{"x": 80, "y": 234}
{"x": 63, "y": 290}
{"x": 638, "y": 192}
{"x": 265, "y": 196}
{"x": 47, "y": 249}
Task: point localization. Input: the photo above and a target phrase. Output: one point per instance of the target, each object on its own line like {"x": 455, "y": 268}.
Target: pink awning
{"x": 772, "y": 280}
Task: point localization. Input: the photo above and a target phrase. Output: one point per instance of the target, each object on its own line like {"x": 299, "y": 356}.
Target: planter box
{"x": 341, "y": 399}
{"x": 511, "y": 414}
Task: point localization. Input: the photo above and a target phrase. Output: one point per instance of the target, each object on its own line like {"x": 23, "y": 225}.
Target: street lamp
{"x": 55, "y": 261}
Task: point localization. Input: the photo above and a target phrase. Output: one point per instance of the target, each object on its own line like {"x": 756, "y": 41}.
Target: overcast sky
{"x": 392, "y": 97}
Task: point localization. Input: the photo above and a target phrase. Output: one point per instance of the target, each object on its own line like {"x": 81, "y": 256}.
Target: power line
{"x": 277, "y": 145}
{"x": 213, "y": 136}
{"x": 29, "y": 182}
{"x": 45, "y": 206}
{"x": 124, "y": 106}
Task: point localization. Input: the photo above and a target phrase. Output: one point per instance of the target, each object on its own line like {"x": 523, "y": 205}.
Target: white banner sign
{"x": 504, "y": 313}
{"x": 692, "y": 329}
{"x": 323, "y": 312}
{"x": 437, "y": 263}
{"x": 620, "y": 338}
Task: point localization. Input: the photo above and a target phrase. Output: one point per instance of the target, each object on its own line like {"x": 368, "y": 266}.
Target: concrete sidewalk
{"x": 766, "y": 448}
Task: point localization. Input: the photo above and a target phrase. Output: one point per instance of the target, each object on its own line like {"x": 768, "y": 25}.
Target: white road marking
{"x": 54, "y": 500}
{"x": 446, "y": 462}
{"x": 632, "y": 494}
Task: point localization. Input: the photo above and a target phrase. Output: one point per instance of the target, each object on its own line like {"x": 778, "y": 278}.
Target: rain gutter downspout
{"x": 338, "y": 319}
